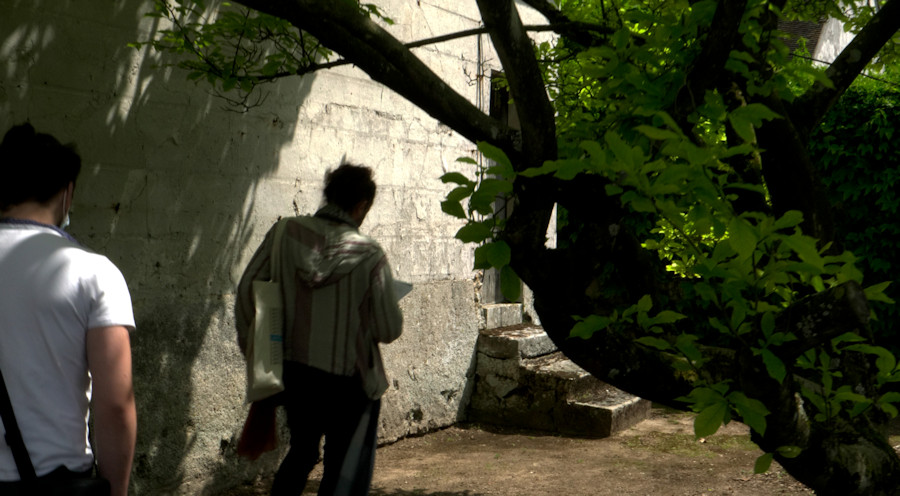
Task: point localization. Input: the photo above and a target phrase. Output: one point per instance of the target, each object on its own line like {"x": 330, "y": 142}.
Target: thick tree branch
{"x": 526, "y": 83}
{"x": 808, "y": 110}
{"x": 583, "y": 33}
{"x": 547, "y": 9}
{"x": 414, "y": 44}
{"x": 341, "y": 27}
{"x": 707, "y": 68}
{"x": 527, "y": 225}
{"x": 789, "y": 174}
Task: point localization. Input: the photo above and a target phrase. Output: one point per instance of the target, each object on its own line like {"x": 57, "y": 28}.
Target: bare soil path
{"x": 657, "y": 457}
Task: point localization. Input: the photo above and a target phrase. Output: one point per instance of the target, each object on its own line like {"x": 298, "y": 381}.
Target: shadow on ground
{"x": 658, "y": 456}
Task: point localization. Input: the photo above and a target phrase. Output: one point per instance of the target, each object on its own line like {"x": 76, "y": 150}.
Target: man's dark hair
{"x": 34, "y": 166}
{"x": 348, "y": 185}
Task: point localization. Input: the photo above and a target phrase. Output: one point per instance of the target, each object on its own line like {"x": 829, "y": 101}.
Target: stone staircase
{"x": 522, "y": 380}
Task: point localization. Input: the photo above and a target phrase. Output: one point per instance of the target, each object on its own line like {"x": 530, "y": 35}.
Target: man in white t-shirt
{"x": 65, "y": 319}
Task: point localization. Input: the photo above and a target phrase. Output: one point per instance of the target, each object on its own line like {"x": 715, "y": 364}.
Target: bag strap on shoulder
{"x": 14, "y": 435}
{"x": 275, "y": 268}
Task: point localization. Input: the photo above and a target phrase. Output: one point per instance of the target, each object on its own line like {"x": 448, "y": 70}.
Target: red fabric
{"x": 260, "y": 432}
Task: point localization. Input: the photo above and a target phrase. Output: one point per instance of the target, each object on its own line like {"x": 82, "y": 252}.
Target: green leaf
{"x": 458, "y": 193}
{"x": 613, "y": 189}
{"x": 763, "y": 463}
{"x": 656, "y": 133}
{"x": 620, "y": 149}
{"x": 806, "y": 249}
{"x": 767, "y": 323}
{"x": 756, "y": 113}
{"x": 875, "y": 292}
{"x": 637, "y": 202}
{"x": 645, "y": 304}
{"x": 742, "y": 127}
{"x": 702, "y": 397}
{"x": 496, "y": 253}
{"x": 890, "y": 397}
{"x": 548, "y": 167}
{"x": 667, "y": 317}
{"x": 718, "y": 325}
{"x": 654, "y": 342}
{"x": 848, "y": 395}
{"x": 752, "y": 411}
{"x": 885, "y": 361}
{"x": 710, "y": 419}
{"x": 706, "y": 292}
{"x": 813, "y": 398}
{"x": 774, "y": 365}
{"x": 686, "y": 345}
{"x": 790, "y": 218}
{"x": 510, "y": 284}
{"x": 789, "y": 451}
{"x": 568, "y": 169}
{"x": 488, "y": 191}
{"x": 475, "y": 232}
{"x": 456, "y": 177}
{"x": 585, "y": 328}
{"x": 481, "y": 261}
{"x": 848, "y": 337}
{"x": 504, "y": 166}
{"x": 889, "y": 409}
{"x": 742, "y": 237}
{"x": 453, "y": 208}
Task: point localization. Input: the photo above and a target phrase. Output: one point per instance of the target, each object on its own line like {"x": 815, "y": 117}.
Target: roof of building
{"x": 809, "y": 30}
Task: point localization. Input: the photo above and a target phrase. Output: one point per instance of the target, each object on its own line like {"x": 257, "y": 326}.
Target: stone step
{"x": 522, "y": 341}
{"x": 522, "y": 380}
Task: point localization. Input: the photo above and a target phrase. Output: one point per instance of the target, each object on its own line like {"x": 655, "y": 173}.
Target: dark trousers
{"x": 61, "y": 481}
{"x": 322, "y": 404}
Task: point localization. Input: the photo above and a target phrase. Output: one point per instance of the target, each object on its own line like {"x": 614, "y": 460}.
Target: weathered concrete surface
{"x": 429, "y": 363}
{"x": 179, "y": 193}
{"x": 522, "y": 380}
{"x": 518, "y": 341}
{"x": 501, "y": 314}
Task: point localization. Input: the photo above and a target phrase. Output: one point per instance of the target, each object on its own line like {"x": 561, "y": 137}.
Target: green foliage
{"x": 233, "y": 49}
{"x": 639, "y": 314}
{"x": 479, "y": 194}
{"x": 715, "y": 404}
{"x": 857, "y": 150}
{"x": 739, "y": 269}
{"x": 236, "y": 50}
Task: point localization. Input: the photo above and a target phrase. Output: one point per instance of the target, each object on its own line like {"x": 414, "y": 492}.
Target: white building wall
{"x": 179, "y": 192}
{"x": 832, "y": 40}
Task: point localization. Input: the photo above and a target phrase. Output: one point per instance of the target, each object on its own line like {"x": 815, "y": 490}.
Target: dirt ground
{"x": 657, "y": 457}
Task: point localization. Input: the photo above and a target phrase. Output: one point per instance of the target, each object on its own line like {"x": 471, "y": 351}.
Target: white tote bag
{"x": 265, "y": 342}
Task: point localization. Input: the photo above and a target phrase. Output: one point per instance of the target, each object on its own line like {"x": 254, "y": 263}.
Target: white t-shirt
{"x": 51, "y": 292}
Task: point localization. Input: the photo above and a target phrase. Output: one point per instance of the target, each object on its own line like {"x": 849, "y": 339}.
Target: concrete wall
{"x": 832, "y": 41}
{"x": 179, "y": 192}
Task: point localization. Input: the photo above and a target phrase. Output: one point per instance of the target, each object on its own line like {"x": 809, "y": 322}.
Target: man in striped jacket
{"x": 339, "y": 304}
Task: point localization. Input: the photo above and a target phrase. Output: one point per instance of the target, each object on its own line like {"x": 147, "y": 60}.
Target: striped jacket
{"x": 339, "y": 297}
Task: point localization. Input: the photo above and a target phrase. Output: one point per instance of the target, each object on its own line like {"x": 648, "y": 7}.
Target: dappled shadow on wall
{"x": 167, "y": 184}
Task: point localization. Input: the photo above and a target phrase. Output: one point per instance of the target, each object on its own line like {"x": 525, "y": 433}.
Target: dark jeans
{"x": 322, "y": 404}
{"x": 61, "y": 481}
